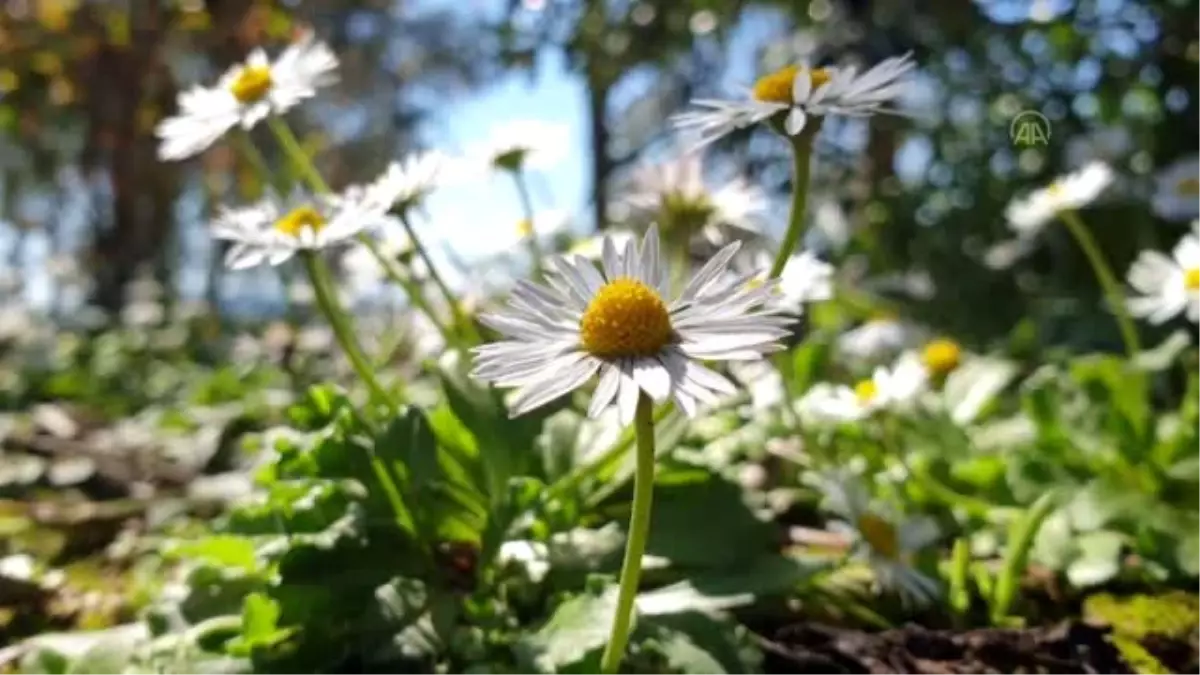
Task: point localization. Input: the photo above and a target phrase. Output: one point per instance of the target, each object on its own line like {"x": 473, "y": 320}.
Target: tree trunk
{"x": 598, "y": 88}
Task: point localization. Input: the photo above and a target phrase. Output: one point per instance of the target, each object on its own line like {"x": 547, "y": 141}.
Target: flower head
{"x": 526, "y": 144}
{"x": 1028, "y": 215}
{"x": 676, "y": 196}
{"x": 617, "y": 322}
{"x": 273, "y": 230}
{"x": 887, "y": 542}
{"x": 245, "y": 95}
{"x": 794, "y": 94}
{"x": 805, "y": 279}
{"x": 1168, "y": 286}
{"x": 887, "y": 388}
{"x": 1177, "y": 190}
{"x": 407, "y": 182}
{"x": 940, "y": 357}
{"x": 879, "y": 337}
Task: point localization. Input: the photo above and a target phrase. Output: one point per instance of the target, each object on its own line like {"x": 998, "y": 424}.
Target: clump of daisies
{"x": 245, "y": 95}
{"x": 884, "y": 539}
{"x": 790, "y": 97}
{"x": 617, "y": 322}
{"x": 675, "y": 195}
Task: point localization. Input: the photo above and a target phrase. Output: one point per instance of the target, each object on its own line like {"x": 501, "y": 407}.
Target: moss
{"x": 1140, "y": 660}
{"x": 1174, "y": 615}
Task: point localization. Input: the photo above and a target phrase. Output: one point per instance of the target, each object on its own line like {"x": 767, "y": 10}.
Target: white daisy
{"x": 526, "y": 144}
{"x": 1177, "y": 190}
{"x": 616, "y": 323}
{"x": 407, "y": 182}
{"x": 888, "y": 388}
{"x": 805, "y": 278}
{"x": 884, "y": 541}
{"x": 1168, "y": 286}
{"x": 245, "y": 95}
{"x": 272, "y": 230}
{"x": 1029, "y": 215}
{"x": 876, "y": 339}
{"x": 675, "y": 195}
{"x": 795, "y": 93}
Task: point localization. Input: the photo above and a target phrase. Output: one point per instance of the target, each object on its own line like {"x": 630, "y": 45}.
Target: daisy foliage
{"x": 797, "y": 93}
{"x": 245, "y": 95}
{"x": 616, "y": 323}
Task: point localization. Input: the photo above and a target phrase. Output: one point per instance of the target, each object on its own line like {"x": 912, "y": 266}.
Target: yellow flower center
{"x": 525, "y": 228}
{"x": 777, "y": 87}
{"x": 1189, "y": 187}
{"x": 298, "y": 219}
{"x": 941, "y": 356}
{"x": 251, "y": 84}
{"x": 866, "y": 391}
{"x": 625, "y": 318}
{"x": 879, "y": 534}
{"x": 1056, "y": 189}
{"x": 1191, "y": 279}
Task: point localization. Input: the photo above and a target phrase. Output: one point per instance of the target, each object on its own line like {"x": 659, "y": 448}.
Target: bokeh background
{"x": 914, "y": 204}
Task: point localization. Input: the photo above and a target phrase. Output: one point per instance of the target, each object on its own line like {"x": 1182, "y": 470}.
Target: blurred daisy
{"x": 593, "y": 247}
{"x": 405, "y": 183}
{"x": 941, "y": 357}
{"x": 245, "y": 95}
{"x": 887, "y": 388}
{"x": 887, "y": 543}
{"x": 762, "y": 380}
{"x": 876, "y": 339}
{"x": 526, "y": 144}
{"x": 273, "y": 230}
{"x": 794, "y": 94}
{"x": 1030, "y": 214}
{"x": 1168, "y": 285}
{"x": 675, "y": 195}
{"x": 805, "y": 279}
{"x": 616, "y": 323}
{"x": 1177, "y": 190}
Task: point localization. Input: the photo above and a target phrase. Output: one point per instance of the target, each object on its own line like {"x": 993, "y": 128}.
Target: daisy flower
{"x": 887, "y": 388}
{"x": 876, "y": 338}
{"x": 794, "y": 94}
{"x": 1029, "y": 215}
{"x": 805, "y": 278}
{"x": 675, "y": 195}
{"x": 273, "y": 230}
{"x": 245, "y": 95}
{"x": 1177, "y": 190}
{"x": 406, "y": 183}
{"x": 941, "y": 357}
{"x": 616, "y": 323}
{"x": 1168, "y": 285}
{"x": 526, "y": 144}
{"x": 886, "y": 542}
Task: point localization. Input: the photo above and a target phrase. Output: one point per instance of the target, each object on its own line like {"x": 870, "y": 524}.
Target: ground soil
{"x": 1069, "y": 647}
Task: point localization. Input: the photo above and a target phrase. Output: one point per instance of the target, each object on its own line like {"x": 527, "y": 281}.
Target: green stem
{"x": 460, "y": 320}
{"x": 411, "y": 289}
{"x": 535, "y": 249}
{"x": 802, "y": 146}
{"x": 1020, "y": 540}
{"x": 1108, "y": 280}
{"x": 639, "y": 528}
{"x": 342, "y": 330}
{"x": 300, "y": 159}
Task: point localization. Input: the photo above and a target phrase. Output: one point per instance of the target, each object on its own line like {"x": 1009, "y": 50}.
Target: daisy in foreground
{"x": 617, "y": 322}
{"x": 1168, "y": 285}
{"x": 884, "y": 541}
{"x": 792, "y": 95}
{"x": 273, "y": 230}
{"x": 245, "y": 95}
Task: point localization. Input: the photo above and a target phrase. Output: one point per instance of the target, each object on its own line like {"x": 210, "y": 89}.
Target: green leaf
{"x": 260, "y": 618}
{"x": 578, "y": 629}
{"x": 1099, "y": 558}
{"x": 221, "y": 550}
{"x": 722, "y": 590}
{"x": 1166, "y": 354}
{"x": 716, "y": 503}
{"x": 1187, "y": 552}
{"x": 699, "y": 643}
{"x": 808, "y": 360}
